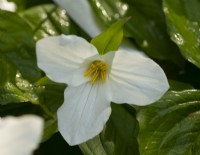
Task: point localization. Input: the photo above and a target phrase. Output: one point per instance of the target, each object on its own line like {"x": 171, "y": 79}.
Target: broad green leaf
{"x": 110, "y": 39}
{"x": 183, "y": 20}
{"x": 147, "y": 25}
{"x": 119, "y": 136}
{"x": 17, "y": 45}
{"x": 49, "y": 20}
{"x": 171, "y": 125}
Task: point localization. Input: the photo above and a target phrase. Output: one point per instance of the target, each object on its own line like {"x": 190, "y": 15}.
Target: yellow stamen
{"x": 103, "y": 76}
{"x": 94, "y": 77}
{"x": 97, "y": 70}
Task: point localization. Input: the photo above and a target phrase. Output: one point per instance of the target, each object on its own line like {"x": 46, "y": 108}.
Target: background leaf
{"x": 178, "y": 86}
{"x": 16, "y": 56}
{"x": 17, "y": 45}
{"x": 171, "y": 125}
{"x": 49, "y": 20}
{"x": 183, "y": 20}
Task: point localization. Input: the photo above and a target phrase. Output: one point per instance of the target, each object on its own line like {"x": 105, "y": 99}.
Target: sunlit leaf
{"x": 19, "y": 91}
{"x": 49, "y": 20}
{"x": 110, "y": 40}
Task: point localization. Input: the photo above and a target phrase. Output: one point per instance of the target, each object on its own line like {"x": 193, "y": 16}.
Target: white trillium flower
{"x": 94, "y": 81}
{"x": 20, "y": 135}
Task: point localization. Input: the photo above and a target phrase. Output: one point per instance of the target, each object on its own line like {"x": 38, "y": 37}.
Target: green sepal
{"x": 110, "y": 39}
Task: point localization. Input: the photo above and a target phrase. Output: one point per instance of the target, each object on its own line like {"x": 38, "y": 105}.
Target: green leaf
{"x": 110, "y": 39}
{"x": 51, "y": 98}
{"x": 17, "y": 45}
{"x": 119, "y": 136}
{"x": 49, "y": 20}
{"x": 49, "y": 129}
{"x": 147, "y": 25}
{"x": 11, "y": 94}
{"x": 13, "y": 88}
{"x": 183, "y": 20}
{"x": 178, "y": 86}
{"x": 21, "y": 91}
{"x": 7, "y": 70}
{"x": 171, "y": 125}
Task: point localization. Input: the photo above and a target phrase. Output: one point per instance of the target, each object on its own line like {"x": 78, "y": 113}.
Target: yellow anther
{"x": 103, "y": 76}
{"x": 89, "y": 72}
{"x": 94, "y": 77}
{"x": 96, "y": 71}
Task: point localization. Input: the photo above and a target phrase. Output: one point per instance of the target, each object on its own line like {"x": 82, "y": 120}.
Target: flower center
{"x": 97, "y": 70}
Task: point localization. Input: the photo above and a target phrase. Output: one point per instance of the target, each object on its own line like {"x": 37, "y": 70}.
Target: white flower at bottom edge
{"x": 94, "y": 81}
{"x": 20, "y": 135}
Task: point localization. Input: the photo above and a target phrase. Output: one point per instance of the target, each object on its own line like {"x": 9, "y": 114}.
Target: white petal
{"x": 61, "y": 56}
{"x": 81, "y": 12}
{"x": 135, "y": 79}
{"x": 20, "y": 135}
{"x": 128, "y": 46}
{"x": 84, "y": 112}
{"x": 5, "y": 5}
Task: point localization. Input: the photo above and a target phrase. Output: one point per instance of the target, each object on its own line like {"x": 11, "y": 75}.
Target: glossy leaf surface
{"x": 171, "y": 125}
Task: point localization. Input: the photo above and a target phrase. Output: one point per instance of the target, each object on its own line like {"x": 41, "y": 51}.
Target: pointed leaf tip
{"x": 110, "y": 39}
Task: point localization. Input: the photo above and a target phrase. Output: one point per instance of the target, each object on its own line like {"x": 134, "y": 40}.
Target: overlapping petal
{"x": 84, "y": 112}
{"x": 61, "y": 56}
{"x": 135, "y": 79}
{"x": 81, "y": 12}
{"x": 20, "y": 135}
